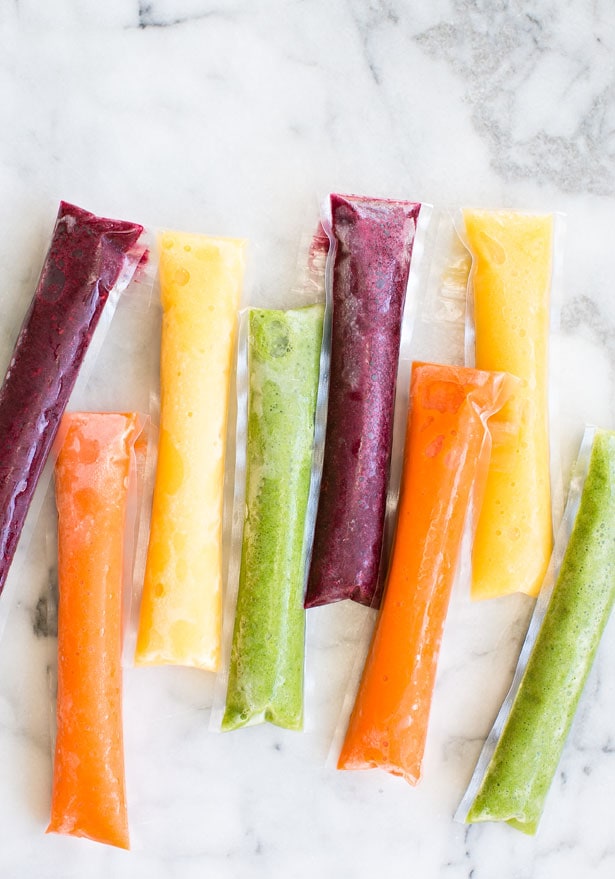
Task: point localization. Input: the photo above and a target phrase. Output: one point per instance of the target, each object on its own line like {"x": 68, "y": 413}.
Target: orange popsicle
{"x": 445, "y": 467}
{"x": 181, "y": 608}
{"x": 511, "y": 279}
{"x": 92, "y": 474}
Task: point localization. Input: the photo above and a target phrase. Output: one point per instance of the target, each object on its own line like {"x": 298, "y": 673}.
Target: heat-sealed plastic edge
{"x": 236, "y": 524}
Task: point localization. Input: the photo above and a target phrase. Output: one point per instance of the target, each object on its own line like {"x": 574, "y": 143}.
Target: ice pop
{"x": 518, "y": 776}
{"x": 180, "y": 618}
{"x": 372, "y": 243}
{"x": 92, "y": 473}
{"x": 446, "y": 458}
{"x": 88, "y": 257}
{"x": 266, "y": 671}
{"x": 511, "y": 279}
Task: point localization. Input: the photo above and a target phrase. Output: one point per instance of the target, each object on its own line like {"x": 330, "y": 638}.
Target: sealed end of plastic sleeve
{"x": 9, "y": 593}
{"x": 469, "y": 340}
{"x": 311, "y": 261}
{"x": 542, "y": 603}
{"x": 146, "y": 472}
{"x": 147, "y": 269}
{"x": 470, "y": 326}
{"x": 440, "y": 326}
{"x": 322, "y": 252}
{"x": 422, "y": 254}
{"x": 353, "y": 681}
{"x": 135, "y": 282}
{"x": 236, "y": 525}
{"x": 138, "y": 511}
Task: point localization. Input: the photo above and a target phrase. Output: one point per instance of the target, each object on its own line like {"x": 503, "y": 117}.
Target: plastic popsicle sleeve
{"x": 90, "y": 260}
{"x": 521, "y": 754}
{"x": 446, "y": 457}
{"x": 369, "y": 260}
{"x": 92, "y": 487}
{"x": 510, "y": 291}
{"x": 181, "y": 606}
{"x": 267, "y": 657}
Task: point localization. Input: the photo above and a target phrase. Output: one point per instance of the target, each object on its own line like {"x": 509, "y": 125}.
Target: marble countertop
{"x": 236, "y": 118}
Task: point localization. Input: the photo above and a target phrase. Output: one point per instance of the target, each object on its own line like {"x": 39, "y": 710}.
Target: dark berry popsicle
{"x": 372, "y": 241}
{"x": 87, "y": 257}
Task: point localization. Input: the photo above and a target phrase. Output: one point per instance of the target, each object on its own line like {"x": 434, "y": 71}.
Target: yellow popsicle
{"x": 200, "y": 279}
{"x": 512, "y": 281}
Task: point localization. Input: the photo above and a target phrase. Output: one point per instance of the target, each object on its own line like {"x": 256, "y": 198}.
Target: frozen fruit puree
{"x": 87, "y": 257}
{"x": 200, "y": 279}
{"x": 525, "y": 759}
{"x": 266, "y": 672}
{"x": 511, "y": 278}
{"x": 91, "y": 494}
{"x": 372, "y": 243}
{"x": 445, "y": 466}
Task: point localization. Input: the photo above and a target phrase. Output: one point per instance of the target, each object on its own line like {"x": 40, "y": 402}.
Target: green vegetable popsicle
{"x": 266, "y": 666}
{"x": 518, "y": 776}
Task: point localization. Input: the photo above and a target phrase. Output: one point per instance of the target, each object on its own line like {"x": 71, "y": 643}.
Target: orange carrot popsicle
{"x": 181, "y": 608}
{"x": 445, "y": 466}
{"x": 92, "y": 474}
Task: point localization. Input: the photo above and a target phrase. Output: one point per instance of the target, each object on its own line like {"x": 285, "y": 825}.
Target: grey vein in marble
{"x": 158, "y": 15}
{"x": 545, "y": 111}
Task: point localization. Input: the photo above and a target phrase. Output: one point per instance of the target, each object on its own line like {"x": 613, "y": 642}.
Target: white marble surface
{"x": 236, "y": 117}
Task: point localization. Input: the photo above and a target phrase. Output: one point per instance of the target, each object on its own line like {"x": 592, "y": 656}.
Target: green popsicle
{"x": 525, "y": 759}
{"x": 266, "y": 667}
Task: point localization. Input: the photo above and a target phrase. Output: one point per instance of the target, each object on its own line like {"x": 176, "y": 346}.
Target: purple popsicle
{"x": 373, "y": 241}
{"x": 87, "y": 257}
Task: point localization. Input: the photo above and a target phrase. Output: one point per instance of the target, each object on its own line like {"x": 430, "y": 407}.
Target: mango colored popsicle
{"x": 266, "y": 672}
{"x": 445, "y": 466}
{"x": 180, "y": 620}
{"x": 372, "y": 241}
{"x": 91, "y": 493}
{"x": 519, "y": 774}
{"x": 88, "y": 256}
{"x": 512, "y": 280}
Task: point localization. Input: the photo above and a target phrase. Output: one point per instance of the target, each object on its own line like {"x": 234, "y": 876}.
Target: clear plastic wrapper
{"x": 446, "y": 457}
{"x": 521, "y": 754}
{"x": 90, "y": 261}
{"x": 266, "y": 666}
{"x": 181, "y": 606}
{"x": 93, "y": 487}
{"x": 512, "y": 307}
{"x": 367, "y": 276}
{"x": 282, "y": 371}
